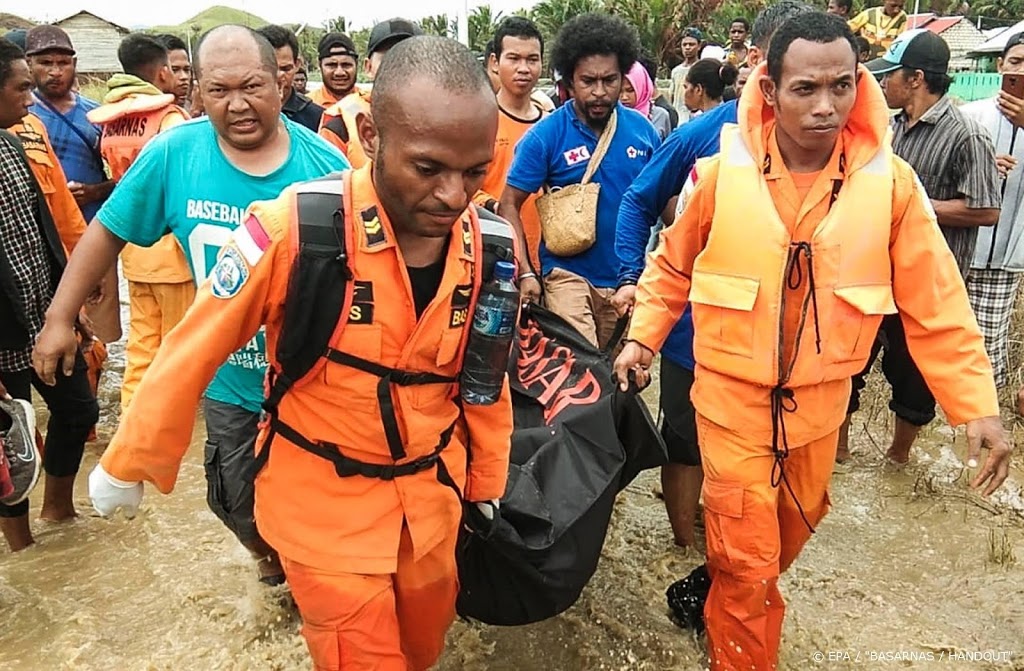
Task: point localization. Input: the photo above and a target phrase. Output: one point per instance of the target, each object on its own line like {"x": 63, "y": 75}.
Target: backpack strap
{"x": 320, "y": 285}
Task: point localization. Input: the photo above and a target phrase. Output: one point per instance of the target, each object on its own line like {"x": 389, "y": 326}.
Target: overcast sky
{"x": 358, "y": 13}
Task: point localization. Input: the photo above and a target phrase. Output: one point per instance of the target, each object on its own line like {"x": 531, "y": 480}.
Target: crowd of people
{"x": 769, "y": 227}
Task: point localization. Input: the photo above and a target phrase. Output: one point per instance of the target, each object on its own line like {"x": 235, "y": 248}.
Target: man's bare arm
{"x": 956, "y": 214}
{"x": 94, "y": 255}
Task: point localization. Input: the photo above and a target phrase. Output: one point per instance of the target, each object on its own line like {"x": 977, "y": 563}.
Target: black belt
{"x": 346, "y": 467}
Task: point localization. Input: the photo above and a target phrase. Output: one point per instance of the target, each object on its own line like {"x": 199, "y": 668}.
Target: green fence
{"x": 970, "y": 86}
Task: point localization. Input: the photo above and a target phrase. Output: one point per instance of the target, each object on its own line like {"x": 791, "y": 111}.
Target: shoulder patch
{"x": 230, "y": 274}
{"x": 460, "y": 305}
{"x": 374, "y": 229}
{"x": 30, "y": 139}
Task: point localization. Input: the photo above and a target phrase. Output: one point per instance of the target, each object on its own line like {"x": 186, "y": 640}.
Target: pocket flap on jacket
{"x": 724, "y": 291}
{"x": 869, "y": 299}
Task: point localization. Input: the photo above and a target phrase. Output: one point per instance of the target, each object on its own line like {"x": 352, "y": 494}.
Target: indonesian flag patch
{"x": 252, "y": 240}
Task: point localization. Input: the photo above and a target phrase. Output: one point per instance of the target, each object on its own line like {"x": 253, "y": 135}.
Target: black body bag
{"x": 577, "y": 441}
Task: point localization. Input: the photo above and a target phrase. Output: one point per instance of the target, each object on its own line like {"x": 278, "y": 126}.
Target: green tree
{"x": 654, "y": 21}
{"x": 550, "y": 15}
{"x": 998, "y": 9}
{"x": 336, "y": 25}
{"x": 439, "y": 25}
{"x": 482, "y": 24}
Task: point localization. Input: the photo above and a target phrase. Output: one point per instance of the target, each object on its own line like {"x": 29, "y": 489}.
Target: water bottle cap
{"x": 503, "y": 270}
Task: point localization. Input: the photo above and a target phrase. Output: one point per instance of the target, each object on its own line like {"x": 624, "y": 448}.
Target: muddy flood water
{"x": 910, "y": 570}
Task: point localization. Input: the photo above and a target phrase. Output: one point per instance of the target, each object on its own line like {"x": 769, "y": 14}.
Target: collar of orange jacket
{"x": 866, "y": 130}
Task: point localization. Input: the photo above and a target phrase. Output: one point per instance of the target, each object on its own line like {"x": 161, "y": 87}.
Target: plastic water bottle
{"x": 490, "y": 341}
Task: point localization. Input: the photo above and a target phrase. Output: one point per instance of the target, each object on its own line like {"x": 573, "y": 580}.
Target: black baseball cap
{"x": 918, "y": 49}
{"x": 388, "y": 33}
{"x": 47, "y": 38}
{"x": 17, "y": 36}
{"x": 336, "y": 44}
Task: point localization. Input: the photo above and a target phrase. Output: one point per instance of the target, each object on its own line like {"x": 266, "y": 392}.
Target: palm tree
{"x": 998, "y": 9}
{"x": 654, "y": 21}
{"x": 482, "y": 24}
{"x": 336, "y": 25}
{"x": 550, "y": 15}
{"x": 439, "y": 25}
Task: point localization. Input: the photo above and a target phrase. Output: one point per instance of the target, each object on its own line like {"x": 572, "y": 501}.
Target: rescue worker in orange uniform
{"x": 797, "y": 238}
{"x": 339, "y": 61}
{"x": 138, "y": 105}
{"x": 339, "y": 123}
{"x": 358, "y": 488}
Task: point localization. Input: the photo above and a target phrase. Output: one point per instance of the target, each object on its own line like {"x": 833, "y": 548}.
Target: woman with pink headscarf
{"x": 638, "y": 93}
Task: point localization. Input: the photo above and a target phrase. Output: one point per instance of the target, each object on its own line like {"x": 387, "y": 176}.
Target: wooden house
{"x": 95, "y": 40}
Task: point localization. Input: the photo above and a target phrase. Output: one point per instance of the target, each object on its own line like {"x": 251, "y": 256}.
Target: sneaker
{"x": 20, "y": 451}
{"x": 6, "y": 486}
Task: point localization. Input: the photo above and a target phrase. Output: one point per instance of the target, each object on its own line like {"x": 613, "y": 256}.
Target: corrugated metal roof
{"x": 934, "y": 24}
{"x": 998, "y": 43}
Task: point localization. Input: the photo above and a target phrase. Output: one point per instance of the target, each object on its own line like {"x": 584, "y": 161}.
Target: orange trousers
{"x": 155, "y": 310}
{"x": 754, "y": 532}
{"x": 393, "y": 622}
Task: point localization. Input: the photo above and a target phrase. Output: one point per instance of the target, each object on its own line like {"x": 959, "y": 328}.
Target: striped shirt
{"x": 24, "y": 250}
{"x": 953, "y": 156}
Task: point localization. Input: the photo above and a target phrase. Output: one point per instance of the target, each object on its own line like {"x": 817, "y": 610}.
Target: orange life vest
{"x": 128, "y": 125}
{"x": 738, "y": 317}
{"x": 338, "y": 126}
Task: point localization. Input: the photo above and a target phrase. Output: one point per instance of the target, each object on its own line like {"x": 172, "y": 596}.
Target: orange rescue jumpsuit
{"x": 776, "y": 345}
{"x": 160, "y": 285}
{"x": 370, "y": 562}
{"x": 338, "y": 126}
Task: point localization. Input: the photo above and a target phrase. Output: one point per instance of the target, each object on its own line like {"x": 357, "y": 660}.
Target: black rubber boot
{"x": 686, "y": 599}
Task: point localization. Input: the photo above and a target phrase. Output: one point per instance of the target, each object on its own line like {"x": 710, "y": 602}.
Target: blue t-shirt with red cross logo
{"x": 555, "y": 153}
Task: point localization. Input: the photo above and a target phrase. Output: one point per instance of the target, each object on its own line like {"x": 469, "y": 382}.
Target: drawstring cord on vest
{"x": 783, "y": 399}
{"x": 794, "y": 278}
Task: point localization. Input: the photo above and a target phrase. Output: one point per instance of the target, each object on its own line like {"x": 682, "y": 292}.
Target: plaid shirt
{"x": 22, "y": 243}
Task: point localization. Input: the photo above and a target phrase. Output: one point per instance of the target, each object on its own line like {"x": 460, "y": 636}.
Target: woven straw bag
{"x": 568, "y": 216}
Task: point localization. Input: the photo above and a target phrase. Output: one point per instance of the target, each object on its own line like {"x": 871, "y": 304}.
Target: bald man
{"x": 365, "y": 516}
{"x": 195, "y": 183}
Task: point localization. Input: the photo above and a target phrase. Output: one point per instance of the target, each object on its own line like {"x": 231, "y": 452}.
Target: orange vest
{"x": 346, "y": 139}
{"x": 738, "y": 318}
{"x": 67, "y": 217}
{"x": 128, "y": 125}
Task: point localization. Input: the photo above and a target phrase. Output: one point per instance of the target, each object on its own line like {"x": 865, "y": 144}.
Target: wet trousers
{"x": 395, "y": 622}
{"x": 73, "y": 412}
{"x": 754, "y": 532}
{"x": 155, "y": 310}
{"x": 586, "y": 307}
